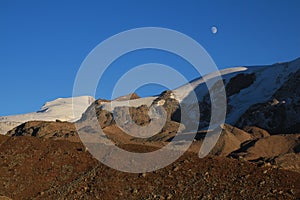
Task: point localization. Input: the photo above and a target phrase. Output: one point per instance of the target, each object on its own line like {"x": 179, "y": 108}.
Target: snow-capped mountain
{"x": 59, "y": 109}
{"x": 264, "y": 96}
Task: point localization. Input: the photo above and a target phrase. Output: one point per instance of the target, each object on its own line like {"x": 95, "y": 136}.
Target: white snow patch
{"x": 59, "y": 109}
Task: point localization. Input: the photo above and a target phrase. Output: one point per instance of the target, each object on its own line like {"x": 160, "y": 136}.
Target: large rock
{"x": 53, "y": 130}
{"x": 231, "y": 139}
{"x": 269, "y": 147}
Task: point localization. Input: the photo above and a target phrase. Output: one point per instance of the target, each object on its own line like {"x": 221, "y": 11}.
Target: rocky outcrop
{"x": 162, "y": 116}
{"x": 256, "y": 132}
{"x": 53, "y": 130}
{"x": 270, "y": 148}
{"x": 128, "y": 97}
{"x": 230, "y": 140}
{"x": 279, "y": 115}
{"x": 239, "y": 82}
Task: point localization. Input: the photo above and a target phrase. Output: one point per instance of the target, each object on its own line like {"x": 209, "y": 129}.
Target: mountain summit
{"x": 58, "y": 109}
{"x": 264, "y": 96}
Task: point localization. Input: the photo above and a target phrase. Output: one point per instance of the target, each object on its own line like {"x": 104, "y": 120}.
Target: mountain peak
{"x": 58, "y": 109}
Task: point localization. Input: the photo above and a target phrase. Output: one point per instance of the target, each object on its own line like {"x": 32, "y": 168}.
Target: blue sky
{"x": 43, "y": 43}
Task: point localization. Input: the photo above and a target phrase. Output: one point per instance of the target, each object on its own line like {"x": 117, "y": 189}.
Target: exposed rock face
{"x": 230, "y": 140}
{"x": 137, "y": 115}
{"x": 281, "y": 151}
{"x": 131, "y": 118}
{"x": 233, "y": 86}
{"x": 128, "y": 97}
{"x": 41, "y": 129}
{"x": 269, "y": 147}
{"x": 105, "y": 117}
{"x": 206, "y": 104}
{"x": 168, "y": 101}
{"x": 256, "y": 132}
{"x": 281, "y": 114}
{"x": 290, "y": 89}
{"x": 239, "y": 82}
{"x": 267, "y": 116}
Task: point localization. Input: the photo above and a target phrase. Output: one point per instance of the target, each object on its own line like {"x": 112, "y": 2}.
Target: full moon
{"x": 214, "y": 30}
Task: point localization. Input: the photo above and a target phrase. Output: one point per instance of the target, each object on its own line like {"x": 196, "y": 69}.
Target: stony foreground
{"x": 35, "y": 168}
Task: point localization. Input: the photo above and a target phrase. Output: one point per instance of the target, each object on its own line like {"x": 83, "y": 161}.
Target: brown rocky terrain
{"x": 48, "y": 166}
{"x": 279, "y": 150}
{"x": 54, "y": 130}
{"x": 37, "y": 168}
{"x": 252, "y": 144}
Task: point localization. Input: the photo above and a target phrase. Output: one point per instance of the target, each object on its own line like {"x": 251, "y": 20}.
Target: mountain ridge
{"x": 58, "y": 109}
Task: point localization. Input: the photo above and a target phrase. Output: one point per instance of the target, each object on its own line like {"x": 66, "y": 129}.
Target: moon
{"x": 214, "y": 30}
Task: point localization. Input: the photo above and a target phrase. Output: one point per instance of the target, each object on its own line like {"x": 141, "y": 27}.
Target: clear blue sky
{"x": 43, "y": 43}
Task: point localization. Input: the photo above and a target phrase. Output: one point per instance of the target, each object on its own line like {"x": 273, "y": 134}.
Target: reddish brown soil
{"x": 37, "y": 168}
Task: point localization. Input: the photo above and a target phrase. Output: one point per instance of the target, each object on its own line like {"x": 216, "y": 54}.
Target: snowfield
{"x": 59, "y": 109}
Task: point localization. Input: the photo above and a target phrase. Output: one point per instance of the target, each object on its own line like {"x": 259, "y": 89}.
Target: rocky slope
{"x": 53, "y": 130}
{"x": 282, "y": 151}
{"x": 36, "y": 168}
{"x": 252, "y": 144}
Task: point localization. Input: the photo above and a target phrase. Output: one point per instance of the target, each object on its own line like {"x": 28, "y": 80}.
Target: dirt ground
{"x": 39, "y": 168}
